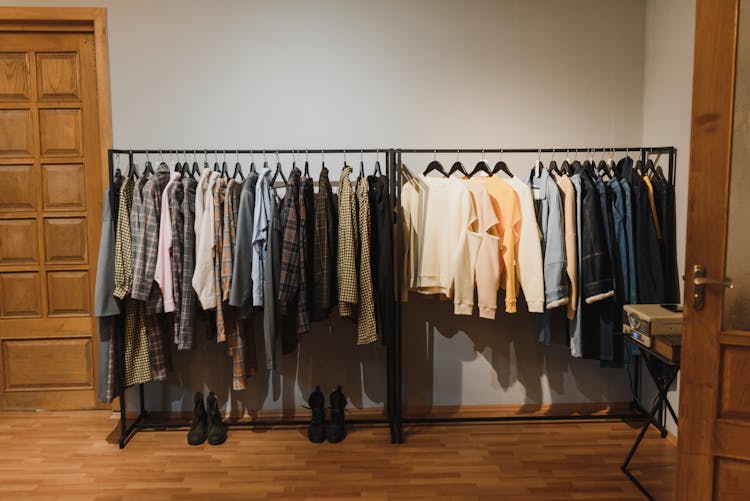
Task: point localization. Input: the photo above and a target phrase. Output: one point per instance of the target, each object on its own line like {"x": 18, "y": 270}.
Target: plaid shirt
{"x": 229, "y": 236}
{"x": 305, "y": 261}
{"x": 137, "y": 359}
{"x": 124, "y": 242}
{"x": 290, "y": 276}
{"x": 186, "y": 331}
{"x": 175, "y": 195}
{"x": 347, "y": 248}
{"x": 219, "y": 190}
{"x": 324, "y": 256}
{"x": 366, "y": 324}
{"x": 308, "y": 227}
{"x": 146, "y": 243}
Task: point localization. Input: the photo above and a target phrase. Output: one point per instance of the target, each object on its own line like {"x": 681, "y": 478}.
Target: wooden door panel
{"x": 714, "y": 445}
{"x": 16, "y": 133}
{"x": 17, "y": 190}
{"x": 20, "y": 295}
{"x": 68, "y": 293}
{"x": 18, "y": 241}
{"x": 735, "y": 388}
{"x": 60, "y": 132}
{"x": 63, "y": 187}
{"x": 732, "y": 480}
{"x": 50, "y": 219}
{"x": 65, "y": 240}
{"x": 47, "y": 364}
{"x": 14, "y": 76}
{"x": 57, "y": 75}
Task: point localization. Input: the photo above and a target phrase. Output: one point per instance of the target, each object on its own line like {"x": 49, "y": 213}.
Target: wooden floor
{"x": 73, "y": 455}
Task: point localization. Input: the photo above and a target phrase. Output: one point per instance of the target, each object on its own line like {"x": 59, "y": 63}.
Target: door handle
{"x": 700, "y": 281}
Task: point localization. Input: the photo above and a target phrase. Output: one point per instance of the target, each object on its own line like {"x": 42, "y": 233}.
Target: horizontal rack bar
{"x": 650, "y": 149}
{"x": 250, "y": 424}
{"x": 493, "y": 419}
{"x": 248, "y": 152}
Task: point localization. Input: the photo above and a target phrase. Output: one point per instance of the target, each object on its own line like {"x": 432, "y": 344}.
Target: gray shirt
{"x": 260, "y": 234}
{"x": 241, "y": 293}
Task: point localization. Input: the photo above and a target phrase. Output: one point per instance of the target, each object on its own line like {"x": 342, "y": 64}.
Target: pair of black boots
{"x": 207, "y": 424}
{"x": 336, "y": 430}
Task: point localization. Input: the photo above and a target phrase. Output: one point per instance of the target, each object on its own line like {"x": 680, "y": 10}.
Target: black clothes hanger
{"x": 552, "y": 167}
{"x": 602, "y": 170}
{"x": 148, "y": 168}
{"x": 133, "y": 172}
{"x": 458, "y": 167}
{"x": 195, "y": 169}
{"x": 435, "y": 166}
{"x": 253, "y": 170}
{"x": 278, "y": 172}
{"x": 501, "y": 166}
{"x": 481, "y": 166}
{"x": 377, "y": 170}
{"x": 238, "y": 172}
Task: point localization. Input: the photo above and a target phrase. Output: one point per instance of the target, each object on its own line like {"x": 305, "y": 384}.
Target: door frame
{"x": 72, "y": 19}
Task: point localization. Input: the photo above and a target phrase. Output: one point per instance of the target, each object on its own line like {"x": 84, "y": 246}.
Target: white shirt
{"x": 204, "y": 276}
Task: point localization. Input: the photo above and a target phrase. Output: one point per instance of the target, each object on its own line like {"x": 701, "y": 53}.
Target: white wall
{"x": 667, "y": 109}
{"x": 513, "y": 73}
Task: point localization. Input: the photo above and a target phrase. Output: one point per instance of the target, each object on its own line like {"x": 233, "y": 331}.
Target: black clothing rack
{"x": 639, "y": 411}
{"x": 128, "y": 431}
{"x": 394, "y": 400}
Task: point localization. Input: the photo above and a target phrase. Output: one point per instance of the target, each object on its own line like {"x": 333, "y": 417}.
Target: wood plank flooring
{"x": 74, "y": 455}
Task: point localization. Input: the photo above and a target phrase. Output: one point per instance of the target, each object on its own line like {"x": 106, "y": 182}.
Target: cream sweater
{"x": 439, "y": 213}
{"x": 529, "y": 251}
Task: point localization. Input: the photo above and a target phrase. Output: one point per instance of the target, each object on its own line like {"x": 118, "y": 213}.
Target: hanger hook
{"x": 434, "y": 154}
{"x": 265, "y": 158}
{"x": 344, "y": 158}
{"x": 539, "y": 155}
{"x": 278, "y": 161}
{"x": 501, "y": 154}
{"x": 307, "y": 155}
{"x": 362, "y": 156}
{"x": 323, "y": 156}
{"x": 458, "y": 152}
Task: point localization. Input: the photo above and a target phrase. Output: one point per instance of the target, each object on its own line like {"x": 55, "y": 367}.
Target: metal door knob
{"x": 712, "y": 281}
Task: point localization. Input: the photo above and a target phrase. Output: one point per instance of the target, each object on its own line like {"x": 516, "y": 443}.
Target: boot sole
{"x": 219, "y": 442}
{"x": 196, "y": 443}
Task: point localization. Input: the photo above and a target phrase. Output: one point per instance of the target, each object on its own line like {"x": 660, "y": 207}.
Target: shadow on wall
{"x": 494, "y": 362}
{"x": 326, "y": 356}
{"x": 448, "y": 360}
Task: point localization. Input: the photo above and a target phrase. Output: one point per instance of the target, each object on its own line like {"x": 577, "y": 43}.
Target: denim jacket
{"x": 596, "y": 264}
{"x": 549, "y": 215}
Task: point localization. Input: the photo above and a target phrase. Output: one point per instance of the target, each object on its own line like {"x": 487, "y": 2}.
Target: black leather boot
{"x": 217, "y": 432}
{"x": 199, "y": 426}
{"x": 337, "y": 428}
{"x": 316, "y": 432}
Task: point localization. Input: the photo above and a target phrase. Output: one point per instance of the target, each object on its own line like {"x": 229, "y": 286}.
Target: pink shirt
{"x": 163, "y": 275}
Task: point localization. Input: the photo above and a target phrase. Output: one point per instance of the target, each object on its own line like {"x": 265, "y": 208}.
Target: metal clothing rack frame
{"x": 639, "y": 413}
{"x": 128, "y": 431}
{"x": 394, "y": 400}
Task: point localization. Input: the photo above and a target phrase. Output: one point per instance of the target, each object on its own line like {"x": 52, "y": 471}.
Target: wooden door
{"x": 50, "y": 218}
{"x": 714, "y": 435}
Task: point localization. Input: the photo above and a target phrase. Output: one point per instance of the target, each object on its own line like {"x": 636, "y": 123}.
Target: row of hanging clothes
{"x": 186, "y": 249}
{"x": 581, "y": 238}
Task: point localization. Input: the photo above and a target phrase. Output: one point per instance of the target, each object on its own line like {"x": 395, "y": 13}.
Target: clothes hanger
{"x": 148, "y": 168}
{"x": 195, "y": 169}
{"x": 501, "y": 166}
{"x": 253, "y": 170}
{"x": 206, "y": 166}
{"x": 377, "y": 171}
{"x": 539, "y": 164}
{"x": 458, "y": 167}
{"x": 552, "y": 167}
{"x": 217, "y": 167}
{"x": 481, "y": 166}
{"x": 278, "y": 172}
{"x": 307, "y": 164}
{"x": 224, "y": 166}
{"x": 118, "y": 177}
{"x": 361, "y": 164}
{"x": 238, "y": 168}
{"x": 435, "y": 166}
{"x": 566, "y": 168}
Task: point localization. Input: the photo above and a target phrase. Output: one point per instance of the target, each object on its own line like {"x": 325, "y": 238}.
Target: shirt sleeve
{"x": 242, "y": 280}
{"x": 555, "y": 274}
{"x": 465, "y": 257}
{"x": 143, "y": 276}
